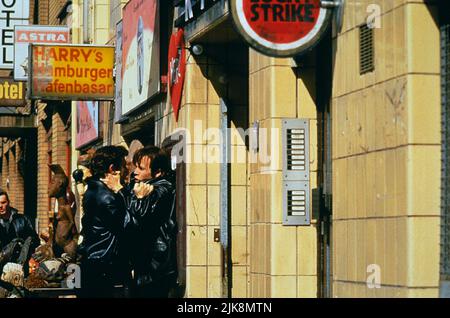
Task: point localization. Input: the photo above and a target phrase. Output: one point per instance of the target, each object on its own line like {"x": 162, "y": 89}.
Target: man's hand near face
{"x": 112, "y": 181}
{"x": 142, "y": 189}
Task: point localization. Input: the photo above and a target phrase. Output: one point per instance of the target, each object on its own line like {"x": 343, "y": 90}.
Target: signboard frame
{"x": 21, "y": 16}
{"x": 32, "y": 96}
{"x": 96, "y": 122}
{"x": 176, "y": 70}
{"x": 274, "y": 49}
{"x": 20, "y": 102}
{"x": 155, "y": 88}
{"x": 37, "y": 28}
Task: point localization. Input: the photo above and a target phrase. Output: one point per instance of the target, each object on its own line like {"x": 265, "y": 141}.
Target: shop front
{"x": 256, "y": 210}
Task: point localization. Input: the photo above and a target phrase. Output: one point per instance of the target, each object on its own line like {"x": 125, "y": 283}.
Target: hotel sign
{"x": 12, "y": 13}
{"x": 12, "y": 94}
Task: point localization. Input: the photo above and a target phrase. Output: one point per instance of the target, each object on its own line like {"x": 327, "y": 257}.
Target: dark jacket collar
{"x": 165, "y": 179}
{"x": 95, "y": 183}
{"x": 14, "y": 213}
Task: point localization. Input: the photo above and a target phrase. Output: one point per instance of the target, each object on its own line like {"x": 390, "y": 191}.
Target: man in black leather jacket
{"x": 153, "y": 224}
{"x": 15, "y": 226}
{"x": 104, "y": 262}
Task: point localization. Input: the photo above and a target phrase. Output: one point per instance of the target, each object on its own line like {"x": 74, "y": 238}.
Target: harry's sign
{"x": 71, "y": 72}
{"x": 280, "y": 28}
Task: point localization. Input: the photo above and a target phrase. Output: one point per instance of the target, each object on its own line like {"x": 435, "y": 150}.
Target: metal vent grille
{"x": 296, "y": 203}
{"x": 296, "y": 149}
{"x": 366, "y": 50}
{"x": 296, "y": 187}
{"x": 445, "y": 183}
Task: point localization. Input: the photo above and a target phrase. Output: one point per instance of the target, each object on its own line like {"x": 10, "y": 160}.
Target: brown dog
{"x": 66, "y": 234}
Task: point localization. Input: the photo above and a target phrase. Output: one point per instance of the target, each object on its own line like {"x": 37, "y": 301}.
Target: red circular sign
{"x": 280, "y": 27}
{"x": 177, "y": 70}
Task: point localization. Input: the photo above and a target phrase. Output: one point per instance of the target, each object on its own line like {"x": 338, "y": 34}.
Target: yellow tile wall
{"x": 386, "y": 153}
{"x": 199, "y": 113}
{"x": 285, "y": 255}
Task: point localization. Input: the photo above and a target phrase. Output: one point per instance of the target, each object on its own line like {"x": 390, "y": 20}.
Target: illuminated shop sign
{"x": 12, "y": 93}
{"x": 71, "y": 72}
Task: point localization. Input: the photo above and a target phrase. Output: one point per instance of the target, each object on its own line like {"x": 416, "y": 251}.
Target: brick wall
{"x": 54, "y": 8}
{"x": 15, "y": 188}
{"x": 43, "y": 12}
{"x": 51, "y": 136}
{"x": 42, "y": 173}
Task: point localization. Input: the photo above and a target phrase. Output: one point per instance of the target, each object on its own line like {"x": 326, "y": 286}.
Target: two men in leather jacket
{"x": 131, "y": 227}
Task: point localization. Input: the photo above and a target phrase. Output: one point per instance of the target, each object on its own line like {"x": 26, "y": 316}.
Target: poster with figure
{"x": 87, "y": 122}
{"x": 140, "y": 55}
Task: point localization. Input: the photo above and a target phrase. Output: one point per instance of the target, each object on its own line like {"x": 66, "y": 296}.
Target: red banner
{"x": 177, "y": 70}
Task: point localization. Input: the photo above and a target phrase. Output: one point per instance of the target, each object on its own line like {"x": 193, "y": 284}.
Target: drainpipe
{"x": 225, "y": 228}
{"x": 86, "y": 22}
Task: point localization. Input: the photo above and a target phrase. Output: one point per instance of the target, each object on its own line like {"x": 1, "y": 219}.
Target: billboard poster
{"x": 119, "y": 50}
{"x": 87, "y": 122}
{"x": 71, "y": 72}
{"x": 12, "y": 13}
{"x": 140, "y": 59}
{"x": 38, "y": 34}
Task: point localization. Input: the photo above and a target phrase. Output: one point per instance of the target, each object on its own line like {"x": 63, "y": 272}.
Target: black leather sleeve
{"x": 114, "y": 207}
{"x": 148, "y": 212}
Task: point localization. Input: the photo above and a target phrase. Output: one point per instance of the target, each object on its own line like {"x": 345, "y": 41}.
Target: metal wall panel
{"x": 296, "y": 185}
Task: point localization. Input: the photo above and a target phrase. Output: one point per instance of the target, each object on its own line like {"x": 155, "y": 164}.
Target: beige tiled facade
{"x": 386, "y": 147}
{"x": 386, "y": 155}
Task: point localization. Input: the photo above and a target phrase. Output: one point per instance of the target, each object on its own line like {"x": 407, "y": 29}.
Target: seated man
{"x": 15, "y": 226}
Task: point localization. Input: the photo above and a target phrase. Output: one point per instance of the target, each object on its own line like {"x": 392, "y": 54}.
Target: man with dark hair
{"x": 16, "y": 227}
{"x": 104, "y": 263}
{"x": 153, "y": 227}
